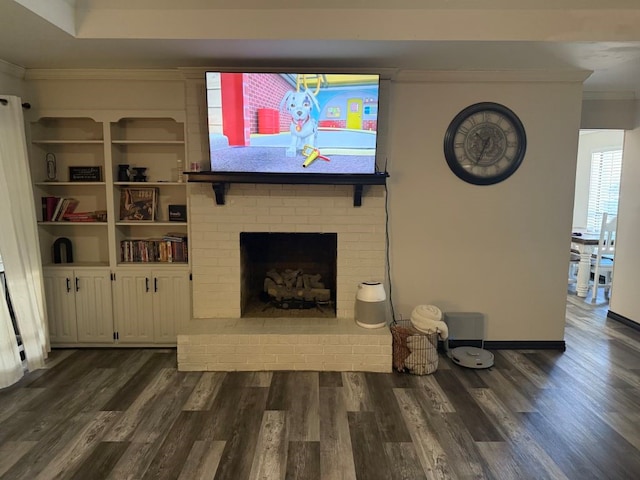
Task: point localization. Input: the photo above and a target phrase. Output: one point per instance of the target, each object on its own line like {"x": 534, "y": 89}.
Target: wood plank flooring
{"x": 128, "y": 414}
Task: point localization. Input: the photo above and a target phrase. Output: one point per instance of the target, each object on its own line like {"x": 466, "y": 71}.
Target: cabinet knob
{"x": 155, "y": 284}
{"x": 77, "y": 285}
{"x": 146, "y": 283}
{"x": 68, "y": 285}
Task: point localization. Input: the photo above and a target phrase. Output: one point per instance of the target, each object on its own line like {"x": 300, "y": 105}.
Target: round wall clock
{"x": 485, "y": 143}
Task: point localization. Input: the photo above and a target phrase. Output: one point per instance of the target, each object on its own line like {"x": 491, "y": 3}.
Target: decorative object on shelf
{"x": 58, "y": 245}
{"x": 140, "y": 175}
{"x": 180, "y": 171}
{"x": 139, "y": 204}
{"x": 195, "y": 167}
{"x": 85, "y": 174}
{"x": 123, "y": 173}
{"x": 177, "y": 213}
{"x": 485, "y": 143}
{"x": 52, "y": 168}
{"x": 101, "y": 215}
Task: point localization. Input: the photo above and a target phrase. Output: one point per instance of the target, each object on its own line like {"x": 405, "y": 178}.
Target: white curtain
{"x": 20, "y": 249}
{"x": 10, "y": 365}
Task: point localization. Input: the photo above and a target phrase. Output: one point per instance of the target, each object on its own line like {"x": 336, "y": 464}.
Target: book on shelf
{"x": 48, "y": 207}
{"x": 80, "y": 217}
{"x": 156, "y": 250}
{"x": 139, "y": 204}
{"x": 175, "y": 236}
{"x": 69, "y": 206}
{"x": 54, "y": 208}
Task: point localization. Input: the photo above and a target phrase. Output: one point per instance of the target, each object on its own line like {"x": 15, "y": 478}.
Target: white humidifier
{"x": 371, "y": 305}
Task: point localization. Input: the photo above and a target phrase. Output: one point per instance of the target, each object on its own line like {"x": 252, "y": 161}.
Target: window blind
{"x": 604, "y": 186}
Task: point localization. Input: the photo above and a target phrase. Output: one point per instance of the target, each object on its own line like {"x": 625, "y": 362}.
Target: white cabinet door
{"x": 94, "y": 311}
{"x": 171, "y": 304}
{"x": 61, "y": 310}
{"x": 133, "y": 306}
{"x": 79, "y": 305}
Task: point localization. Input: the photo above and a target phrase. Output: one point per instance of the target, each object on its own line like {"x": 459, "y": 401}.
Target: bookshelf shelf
{"x": 146, "y": 223}
{"x": 67, "y": 142}
{"x": 148, "y": 142}
{"x": 76, "y": 265}
{"x": 68, "y": 184}
{"x": 150, "y": 184}
{"x": 65, "y": 223}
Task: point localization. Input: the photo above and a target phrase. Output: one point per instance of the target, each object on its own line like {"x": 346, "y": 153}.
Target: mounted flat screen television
{"x": 292, "y": 123}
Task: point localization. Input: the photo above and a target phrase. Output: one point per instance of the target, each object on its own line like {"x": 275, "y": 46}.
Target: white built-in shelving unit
{"x": 99, "y": 298}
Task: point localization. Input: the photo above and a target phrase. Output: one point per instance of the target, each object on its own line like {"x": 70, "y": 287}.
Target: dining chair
{"x": 603, "y": 257}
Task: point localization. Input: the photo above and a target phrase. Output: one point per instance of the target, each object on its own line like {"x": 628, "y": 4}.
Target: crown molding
{"x": 400, "y": 76}
{"x": 197, "y": 73}
{"x": 103, "y": 74}
{"x": 12, "y": 70}
{"x": 486, "y": 76}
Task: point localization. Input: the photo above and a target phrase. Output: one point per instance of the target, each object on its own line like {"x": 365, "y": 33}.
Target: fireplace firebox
{"x": 288, "y": 274}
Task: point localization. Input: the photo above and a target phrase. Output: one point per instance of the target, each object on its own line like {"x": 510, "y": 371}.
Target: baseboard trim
{"x": 516, "y": 344}
{"x": 624, "y": 320}
{"x": 526, "y": 345}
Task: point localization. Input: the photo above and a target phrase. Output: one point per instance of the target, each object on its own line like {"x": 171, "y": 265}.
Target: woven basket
{"x": 414, "y": 351}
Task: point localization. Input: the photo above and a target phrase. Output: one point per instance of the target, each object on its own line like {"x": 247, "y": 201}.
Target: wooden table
{"x": 585, "y": 244}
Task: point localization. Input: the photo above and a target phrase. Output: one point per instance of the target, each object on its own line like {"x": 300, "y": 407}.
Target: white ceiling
{"x": 410, "y": 34}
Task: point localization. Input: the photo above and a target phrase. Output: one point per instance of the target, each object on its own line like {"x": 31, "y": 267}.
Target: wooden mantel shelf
{"x": 220, "y": 180}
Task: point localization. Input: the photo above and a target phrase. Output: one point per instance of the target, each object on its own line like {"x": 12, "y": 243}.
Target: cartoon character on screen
{"x": 303, "y": 128}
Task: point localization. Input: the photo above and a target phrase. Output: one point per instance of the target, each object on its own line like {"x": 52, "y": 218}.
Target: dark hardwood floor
{"x": 128, "y": 414}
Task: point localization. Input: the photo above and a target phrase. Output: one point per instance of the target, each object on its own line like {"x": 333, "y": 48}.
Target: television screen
{"x": 292, "y": 123}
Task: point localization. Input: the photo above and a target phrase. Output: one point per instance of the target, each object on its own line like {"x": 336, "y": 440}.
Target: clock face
{"x": 485, "y": 143}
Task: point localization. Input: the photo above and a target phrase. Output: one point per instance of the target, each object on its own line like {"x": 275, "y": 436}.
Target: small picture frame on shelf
{"x": 85, "y": 174}
{"x": 177, "y": 213}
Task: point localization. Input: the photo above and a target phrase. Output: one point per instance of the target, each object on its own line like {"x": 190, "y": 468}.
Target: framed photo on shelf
{"x": 177, "y": 213}
{"x": 138, "y": 204}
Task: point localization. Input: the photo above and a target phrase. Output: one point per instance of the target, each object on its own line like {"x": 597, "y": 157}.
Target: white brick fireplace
{"x": 218, "y": 339}
{"x": 215, "y": 237}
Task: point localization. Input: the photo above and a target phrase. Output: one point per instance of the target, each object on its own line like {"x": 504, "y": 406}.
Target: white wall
{"x": 625, "y": 300}
{"x": 107, "y": 90}
{"x": 590, "y": 141}
{"x": 11, "y": 82}
{"x": 501, "y": 250}
{"x": 609, "y": 114}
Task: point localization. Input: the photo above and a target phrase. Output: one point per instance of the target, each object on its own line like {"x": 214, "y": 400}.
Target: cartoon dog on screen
{"x": 303, "y": 128}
